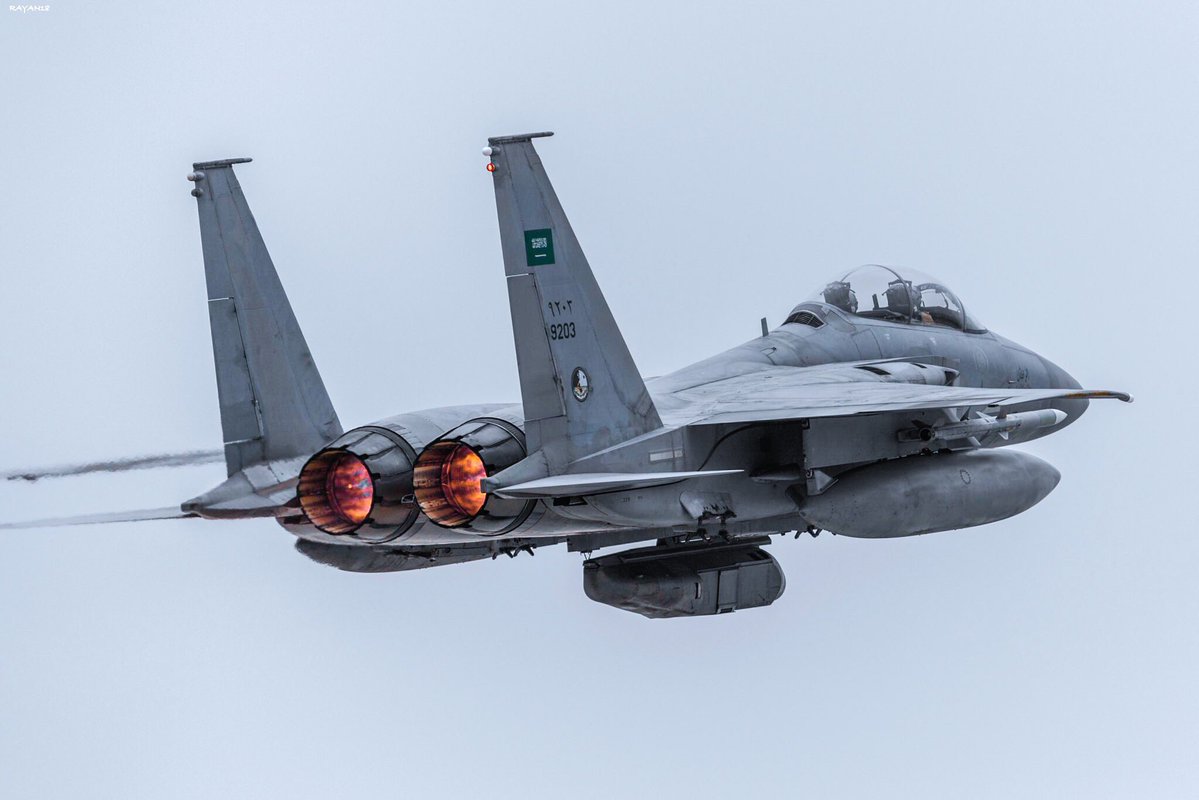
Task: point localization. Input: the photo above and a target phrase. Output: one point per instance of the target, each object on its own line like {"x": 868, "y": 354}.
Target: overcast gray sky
{"x": 719, "y": 162}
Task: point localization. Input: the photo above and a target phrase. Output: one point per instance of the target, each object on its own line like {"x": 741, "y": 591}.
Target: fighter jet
{"x": 881, "y": 407}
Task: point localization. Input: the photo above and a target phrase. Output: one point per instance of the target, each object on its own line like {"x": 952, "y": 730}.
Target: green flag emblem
{"x": 539, "y": 247}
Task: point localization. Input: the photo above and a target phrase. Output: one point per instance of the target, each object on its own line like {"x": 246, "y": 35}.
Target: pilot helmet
{"x": 839, "y": 294}
{"x": 902, "y": 297}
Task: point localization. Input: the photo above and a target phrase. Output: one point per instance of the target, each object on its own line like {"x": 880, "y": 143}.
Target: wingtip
{"x": 518, "y": 137}
{"x": 1100, "y": 394}
{"x": 222, "y": 162}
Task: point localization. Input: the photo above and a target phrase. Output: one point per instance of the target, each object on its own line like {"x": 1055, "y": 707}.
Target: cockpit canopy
{"x": 897, "y": 295}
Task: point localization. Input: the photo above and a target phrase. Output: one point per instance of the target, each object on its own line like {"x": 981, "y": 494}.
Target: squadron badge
{"x": 580, "y": 384}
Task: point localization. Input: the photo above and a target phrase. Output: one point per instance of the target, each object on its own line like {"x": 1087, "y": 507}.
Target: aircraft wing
{"x": 758, "y": 398}
{"x": 573, "y": 484}
{"x": 170, "y": 512}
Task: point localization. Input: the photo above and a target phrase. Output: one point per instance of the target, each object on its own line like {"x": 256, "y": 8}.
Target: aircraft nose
{"x": 1060, "y": 379}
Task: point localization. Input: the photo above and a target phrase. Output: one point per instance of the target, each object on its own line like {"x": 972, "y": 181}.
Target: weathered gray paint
{"x": 273, "y": 402}
{"x": 576, "y": 330}
{"x": 687, "y": 581}
{"x": 860, "y": 426}
{"x": 927, "y": 494}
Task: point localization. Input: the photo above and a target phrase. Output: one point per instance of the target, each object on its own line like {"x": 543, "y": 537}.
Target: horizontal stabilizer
{"x": 171, "y": 512}
{"x": 599, "y": 482}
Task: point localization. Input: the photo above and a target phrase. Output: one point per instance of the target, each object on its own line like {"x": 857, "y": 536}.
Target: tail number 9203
{"x": 561, "y": 330}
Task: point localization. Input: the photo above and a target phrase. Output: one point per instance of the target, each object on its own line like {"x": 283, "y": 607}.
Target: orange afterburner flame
{"x": 336, "y": 491}
{"x": 446, "y": 480}
{"x": 350, "y": 490}
{"x": 460, "y": 476}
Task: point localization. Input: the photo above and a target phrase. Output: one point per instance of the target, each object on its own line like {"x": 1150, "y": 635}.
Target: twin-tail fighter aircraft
{"x": 879, "y": 408}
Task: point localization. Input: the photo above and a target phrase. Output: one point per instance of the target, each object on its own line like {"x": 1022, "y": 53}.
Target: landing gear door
{"x": 726, "y": 593}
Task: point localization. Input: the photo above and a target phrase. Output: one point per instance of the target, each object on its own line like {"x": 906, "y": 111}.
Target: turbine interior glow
{"x": 350, "y": 490}
{"x": 336, "y": 491}
{"x": 460, "y": 477}
{"x": 447, "y": 483}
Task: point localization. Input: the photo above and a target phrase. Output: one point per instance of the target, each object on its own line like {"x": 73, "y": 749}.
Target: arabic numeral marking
{"x": 562, "y": 330}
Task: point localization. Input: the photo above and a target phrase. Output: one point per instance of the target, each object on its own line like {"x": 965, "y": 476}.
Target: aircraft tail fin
{"x": 580, "y": 388}
{"x": 273, "y": 402}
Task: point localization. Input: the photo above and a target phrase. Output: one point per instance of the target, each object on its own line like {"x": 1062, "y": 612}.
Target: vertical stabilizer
{"x": 580, "y": 388}
{"x": 273, "y": 402}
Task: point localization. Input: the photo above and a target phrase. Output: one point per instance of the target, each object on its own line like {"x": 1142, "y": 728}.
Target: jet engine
{"x": 361, "y": 484}
{"x": 448, "y": 473}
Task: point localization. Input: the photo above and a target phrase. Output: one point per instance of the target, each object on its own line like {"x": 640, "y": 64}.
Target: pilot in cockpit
{"x": 839, "y": 294}
{"x": 909, "y": 297}
{"x": 900, "y": 299}
{"x": 904, "y": 299}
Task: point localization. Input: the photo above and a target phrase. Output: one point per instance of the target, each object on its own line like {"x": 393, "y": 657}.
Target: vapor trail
{"x": 184, "y": 459}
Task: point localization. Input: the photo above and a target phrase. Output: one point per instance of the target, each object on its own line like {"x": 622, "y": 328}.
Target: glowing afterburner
{"x": 449, "y": 471}
{"x": 361, "y": 484}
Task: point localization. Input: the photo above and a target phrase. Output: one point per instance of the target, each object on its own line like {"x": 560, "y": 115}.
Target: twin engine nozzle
{"x": 371, "y": 484}
{"x": 361, "y": 484}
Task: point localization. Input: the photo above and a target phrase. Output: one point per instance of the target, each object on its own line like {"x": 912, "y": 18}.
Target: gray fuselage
{"x": 830, "y": 337}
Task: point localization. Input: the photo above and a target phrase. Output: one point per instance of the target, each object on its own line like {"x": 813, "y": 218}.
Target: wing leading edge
{"x": 143, "y": 515}
{"x": 781, "y": 399}
{"x": 589, "y": 483}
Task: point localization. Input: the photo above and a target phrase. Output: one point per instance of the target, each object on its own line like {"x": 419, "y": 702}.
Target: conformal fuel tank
{"x": 686, "y": 581}
{"x": 930, "y": 493}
